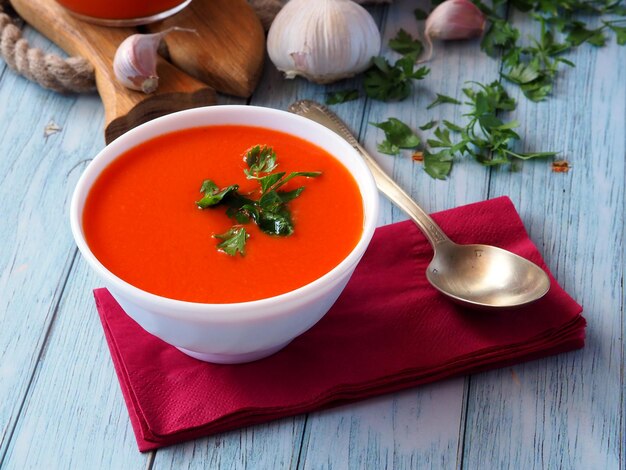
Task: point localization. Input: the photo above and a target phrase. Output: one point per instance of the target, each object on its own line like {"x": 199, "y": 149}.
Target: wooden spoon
{"x": 123, "y": 108}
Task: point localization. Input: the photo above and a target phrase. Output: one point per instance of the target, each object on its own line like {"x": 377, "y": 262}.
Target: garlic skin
{"x": 323, "y": 40}
{"x": 135, "y": 60}
{"x": 454, "y": 19}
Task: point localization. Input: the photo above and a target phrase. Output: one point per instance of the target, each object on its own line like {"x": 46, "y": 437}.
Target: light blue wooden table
{"x": 60, "y": 402}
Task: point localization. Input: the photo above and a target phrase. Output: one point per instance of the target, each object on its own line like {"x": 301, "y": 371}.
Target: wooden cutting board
{"x": 228, "y": 51}
{"x": 225, "y": 57}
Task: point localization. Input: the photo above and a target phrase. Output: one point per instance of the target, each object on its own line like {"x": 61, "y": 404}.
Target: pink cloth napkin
{"x": 389, "y": 330}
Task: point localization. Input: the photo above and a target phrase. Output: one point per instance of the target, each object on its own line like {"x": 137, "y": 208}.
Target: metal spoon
{"x": 481, "y": 276}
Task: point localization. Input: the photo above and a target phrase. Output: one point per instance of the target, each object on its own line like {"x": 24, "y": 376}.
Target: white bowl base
{"x": 234, "y": 358}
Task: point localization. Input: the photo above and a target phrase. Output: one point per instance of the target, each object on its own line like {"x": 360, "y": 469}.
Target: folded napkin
{"x": 389, "y": 330}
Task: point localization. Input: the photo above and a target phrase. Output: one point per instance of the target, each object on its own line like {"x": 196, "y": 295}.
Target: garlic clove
{"x": 135, "y": 61}
{"x": 323, "y": 40}
{"x": 453, "y": 19}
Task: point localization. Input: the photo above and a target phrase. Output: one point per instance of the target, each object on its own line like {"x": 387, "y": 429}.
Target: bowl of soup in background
{"x": 242, "y": 331}
{"x": 123, "y": 13}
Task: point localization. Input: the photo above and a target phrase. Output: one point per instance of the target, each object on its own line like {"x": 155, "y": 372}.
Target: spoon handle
{"x": 322, "y": 115}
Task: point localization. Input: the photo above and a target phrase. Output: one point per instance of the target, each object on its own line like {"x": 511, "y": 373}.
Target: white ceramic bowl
{"x": 236, "y": 332}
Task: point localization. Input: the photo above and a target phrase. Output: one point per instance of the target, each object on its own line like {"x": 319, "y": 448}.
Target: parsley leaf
{"x": 620, "y": 33}
{"x": 404, "y": 43}
{"x": 267, "y": 181}
{"x": 438, "y": 165}
{"x": 420, "y": 14}
{"x": 387, "y": 147}
{"x": 270, "y": 211}
{"x": 577, "y": 33}
{"x": 294, "y": 174}
{"x": 233, "y": 241}
{"x": 275, "y": 218}
{"x": 452, "y": 126}
{"x": 534, "y": 67}
{"x": 500, "y": 35}
{"x": 341, "y": 96}
{"x": 386, "y": 82}
{"x": 212, "y": 194}
{"x": 428, "y": 125}
{"x": 260, "y": 159}
{"x": 397, "y": 135}
{"x": 441, "y": 99}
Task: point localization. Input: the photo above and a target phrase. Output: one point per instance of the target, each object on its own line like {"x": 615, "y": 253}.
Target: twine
{"x": 75, "y": 74}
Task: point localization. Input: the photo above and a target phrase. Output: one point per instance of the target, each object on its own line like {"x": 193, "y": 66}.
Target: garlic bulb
{"x": 323, "y": 40}
{"x": 135, "y": 60}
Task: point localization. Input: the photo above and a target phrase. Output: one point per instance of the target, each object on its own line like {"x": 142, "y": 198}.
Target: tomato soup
{"x": 120, "y": 9}
{"x": 141, "y": 221}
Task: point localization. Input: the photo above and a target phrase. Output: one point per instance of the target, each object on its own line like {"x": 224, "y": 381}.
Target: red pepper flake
{"x": 560, "y": 166}
{"x": 418, "y": 156}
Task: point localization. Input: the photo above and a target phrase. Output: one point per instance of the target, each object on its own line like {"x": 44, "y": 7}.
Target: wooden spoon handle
{"x": 124, "y": 108}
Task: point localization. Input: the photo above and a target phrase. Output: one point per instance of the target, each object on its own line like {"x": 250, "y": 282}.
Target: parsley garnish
{"x": 266, "y": 207}
{"x": 260, "y": 159}
{"x": 233, "y": 241}
{"x": 212, "y": 194}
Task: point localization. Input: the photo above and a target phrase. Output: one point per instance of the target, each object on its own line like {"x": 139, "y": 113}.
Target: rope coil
{"x": 74, "y": 74}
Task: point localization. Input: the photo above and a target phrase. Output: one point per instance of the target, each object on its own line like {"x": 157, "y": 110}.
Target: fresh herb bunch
{"x": 534, "y": 67}
{"x": 485, "y": 137}
{"x": 266, "y": 207}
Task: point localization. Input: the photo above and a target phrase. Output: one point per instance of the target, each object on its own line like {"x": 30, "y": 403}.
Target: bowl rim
{"x": 227, "y": 312}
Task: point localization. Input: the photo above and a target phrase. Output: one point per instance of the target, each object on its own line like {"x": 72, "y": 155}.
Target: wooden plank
{"x": 418, "y": 428}
{"x": 406, "y": 430}
{"x": 270, "y": 446}
{"x": 74, "y": 415}
{"x": 36, "y": 174}
{"x": 101, "y": 435}
{"x": 564, "y": 412}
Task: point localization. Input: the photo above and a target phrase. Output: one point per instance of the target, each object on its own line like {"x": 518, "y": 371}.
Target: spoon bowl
{"x": 478, "y": 276}
{"x": 485, "y": 275}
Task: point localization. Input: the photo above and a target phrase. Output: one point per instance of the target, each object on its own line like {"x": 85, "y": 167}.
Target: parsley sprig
{"x": 267, "y": 207}
{"x": 386, "y": 82}
{"x": 485, "y": 136}
{"x": 341, "y": 96}
{"x": 534, "y": 67}
{"x": 397, "y": 135}
{"x": 233, "y": 241}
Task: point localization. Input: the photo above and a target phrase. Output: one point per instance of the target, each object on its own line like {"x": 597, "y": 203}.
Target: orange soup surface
{"x": 141, "y": 221}
{"x": 119, "y": 9}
